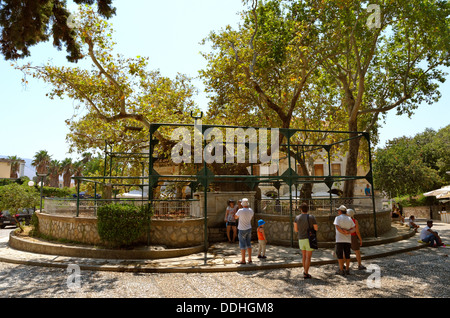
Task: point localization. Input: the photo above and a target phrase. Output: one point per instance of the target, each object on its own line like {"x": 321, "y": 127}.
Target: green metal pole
{"x": 371, "y": 185}
{"x": 110, "y": 165}
{"x": 95, "y": 198}
{"x": 106, "y": 160}
{"x": 290, "y": 190}
{"x": 150, "y": 185}
{"x": 205, "y": 205}
{"x": 78, "y": 197}
{"x": 329, "y": 174}
{"x": 143, "y": 173}
{"x": 42, "y": 190}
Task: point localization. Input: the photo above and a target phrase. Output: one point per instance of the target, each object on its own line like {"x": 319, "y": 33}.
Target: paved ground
{"x": 418, "y": 273}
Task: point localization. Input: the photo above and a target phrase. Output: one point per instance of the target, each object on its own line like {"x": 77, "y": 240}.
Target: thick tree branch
{"x": 102, "y": 71}
{"x": 386, "y": 108}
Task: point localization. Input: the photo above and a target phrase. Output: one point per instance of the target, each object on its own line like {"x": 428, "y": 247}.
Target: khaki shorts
{"x": 355, "y": 243}
{"x": 304, "y": 245}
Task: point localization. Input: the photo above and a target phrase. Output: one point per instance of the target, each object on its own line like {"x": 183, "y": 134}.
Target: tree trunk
{"x": 21, "y": 229}
{"x": 66, "y": 180}
{"x": 54, "y": 181}
{"x": 306, "y": 190}
{"x": 352, "y": 160}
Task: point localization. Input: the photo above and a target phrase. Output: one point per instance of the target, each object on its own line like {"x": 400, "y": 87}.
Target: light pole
{"x": 42, "y": 176}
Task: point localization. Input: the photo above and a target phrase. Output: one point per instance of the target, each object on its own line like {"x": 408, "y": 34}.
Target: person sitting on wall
{"x": 396, "y": 214}
{"x": 412, "y": 224}
{"x": 427, "y": 235}
{"x": 367, "y": 190}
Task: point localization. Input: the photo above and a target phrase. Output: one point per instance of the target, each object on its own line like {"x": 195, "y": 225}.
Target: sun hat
{"x": 261, "y": 222}
{"x": 342, "y": 208}
{"x": 351, "y": 213}
{"x": 244, "y": 202}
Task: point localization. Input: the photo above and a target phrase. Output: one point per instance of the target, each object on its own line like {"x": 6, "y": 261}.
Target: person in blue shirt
{"x": 367, "y": 190}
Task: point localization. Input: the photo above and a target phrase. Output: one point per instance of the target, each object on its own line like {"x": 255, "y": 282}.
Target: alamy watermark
{"x": 374, "y": 279}
{"x": 374, "y": 20}
{"x": 234, "y": 141}
{"x": 73, "y": 21}
{"x": 74, "y": 279}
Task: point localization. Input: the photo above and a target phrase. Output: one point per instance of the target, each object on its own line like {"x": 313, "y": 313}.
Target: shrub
{"x": 122, "y": 224}
{"x": 418, "y": 200}
{"x": 50, "y": 192}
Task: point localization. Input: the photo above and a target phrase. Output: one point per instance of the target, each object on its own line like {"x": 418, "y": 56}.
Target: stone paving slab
{"x": 221, "y": 257}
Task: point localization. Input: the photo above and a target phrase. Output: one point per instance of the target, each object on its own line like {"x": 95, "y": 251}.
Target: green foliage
{"x": 318, "y": 62}
{"x": 50, "y": 192}
{"x": 35, "y": 224}
{"x": 4, "y": 182}
{"x": 24, "y": 24}
{"x": 419, "y": 200}
{"x": 409, "y": 166}
{"x": 14, "y": 197}
{"x": 122, "y": 224}
{"x": 121, "y": 95}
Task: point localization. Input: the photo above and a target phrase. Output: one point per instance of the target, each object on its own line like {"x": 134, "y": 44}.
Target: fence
{"x": 317, "y": 206}
{"x": 162, "y": 209}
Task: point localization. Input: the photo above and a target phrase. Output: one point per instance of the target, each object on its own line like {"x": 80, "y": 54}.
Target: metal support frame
{"x": 205, "y": 177}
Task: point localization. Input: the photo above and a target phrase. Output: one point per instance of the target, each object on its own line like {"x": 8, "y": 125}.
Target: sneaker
{"x": 264, "y": 256}
{"x": 340, "y": 272}
{"x": 347, "y": 272}
{"x": 361, "y": 267}
{"x": 259, "y": 256}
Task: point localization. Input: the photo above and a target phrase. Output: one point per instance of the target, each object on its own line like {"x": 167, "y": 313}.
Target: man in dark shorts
{"x": 344, "y": 227}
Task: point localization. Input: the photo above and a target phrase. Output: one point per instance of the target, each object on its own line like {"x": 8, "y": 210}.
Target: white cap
{"x": 342, "y": 208}
{"x": 244, "y": 202}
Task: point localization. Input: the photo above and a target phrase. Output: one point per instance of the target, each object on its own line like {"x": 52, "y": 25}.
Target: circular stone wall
{"x": 169, "y": 233}
{"x": 278, "y": 228}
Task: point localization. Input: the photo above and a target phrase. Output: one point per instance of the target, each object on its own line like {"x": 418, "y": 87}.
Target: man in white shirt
{"x": 245, "y": 216}
{"x": 429, "y": 236}
{"x": 344, "y": 228}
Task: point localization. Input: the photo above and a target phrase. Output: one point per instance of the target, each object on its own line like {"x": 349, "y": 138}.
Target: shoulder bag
{"x": 312, "y": 236}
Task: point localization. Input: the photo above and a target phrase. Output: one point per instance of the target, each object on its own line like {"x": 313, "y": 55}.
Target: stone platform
{"x": 220, "y": 257}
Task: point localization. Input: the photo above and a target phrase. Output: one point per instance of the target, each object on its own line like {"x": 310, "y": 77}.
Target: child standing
{"x": 261, "y": 239}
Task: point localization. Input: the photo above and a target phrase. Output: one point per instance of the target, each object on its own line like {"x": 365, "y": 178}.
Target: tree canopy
{"x": 24, "y": 24}
{"x": 413, "y": 165}
{"x": 289, "y": 64}
{"x": 336, "y": 57}
{"x": 118, "y": 97}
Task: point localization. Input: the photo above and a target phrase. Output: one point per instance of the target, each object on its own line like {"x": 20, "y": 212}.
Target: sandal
{"x": 241, "y": 263}
{"x": 306, "y": 276}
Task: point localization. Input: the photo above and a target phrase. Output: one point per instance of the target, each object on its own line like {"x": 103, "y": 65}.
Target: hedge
{"x": 122, "y": 224}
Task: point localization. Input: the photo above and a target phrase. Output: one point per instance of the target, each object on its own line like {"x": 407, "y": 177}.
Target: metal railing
{"x": 317, "y": 206}
{"x": 162, "y": 209}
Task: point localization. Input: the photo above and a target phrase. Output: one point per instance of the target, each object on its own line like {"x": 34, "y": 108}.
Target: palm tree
{"x": 41, "y": 161}
{"x": 67, "y": 170}
{"x": 55, "y": 172}
{"x": 78, "y": 168}
{"x": 15, "y": 166}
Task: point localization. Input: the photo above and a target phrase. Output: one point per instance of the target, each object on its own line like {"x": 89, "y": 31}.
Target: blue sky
{"x": 169, "y": 33}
